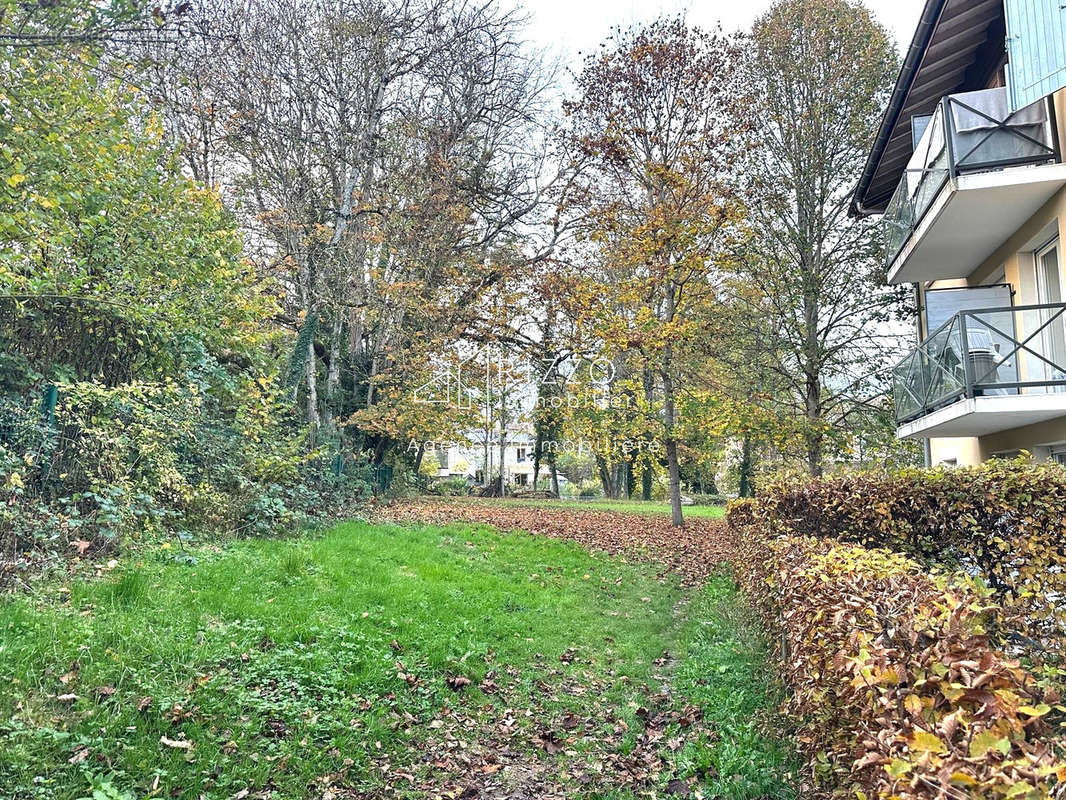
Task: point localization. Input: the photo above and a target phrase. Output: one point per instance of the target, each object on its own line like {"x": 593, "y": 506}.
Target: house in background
{"x": 472, "y": 463}
{"x": 967, "y": 172}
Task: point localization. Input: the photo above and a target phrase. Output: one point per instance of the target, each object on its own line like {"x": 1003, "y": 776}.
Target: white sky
{"x": 567, "y": 27}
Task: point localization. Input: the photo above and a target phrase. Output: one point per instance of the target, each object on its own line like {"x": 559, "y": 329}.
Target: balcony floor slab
{"x": 972, "y": 217}
{"x": 981, "y": 416}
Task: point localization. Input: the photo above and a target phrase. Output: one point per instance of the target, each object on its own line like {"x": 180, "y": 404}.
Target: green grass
{"x": 723, "y": 670}
{"x": 280, "y": 661}
{"x": 623, "y": 506}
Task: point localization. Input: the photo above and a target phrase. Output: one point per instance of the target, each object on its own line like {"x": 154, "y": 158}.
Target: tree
{"x": 384, "y": 156}
{"x": 127, "y": 305}
{"x": 659, "y": 120}
{"x": 809, "y": 287}
{"x": 34, "y": 24}
{"x": 111, "y": 262}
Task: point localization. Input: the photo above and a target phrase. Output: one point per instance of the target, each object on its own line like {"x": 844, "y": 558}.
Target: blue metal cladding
{"x": 1036, "y": 43}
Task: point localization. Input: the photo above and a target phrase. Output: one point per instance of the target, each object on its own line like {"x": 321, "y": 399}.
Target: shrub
{"x": 158, "y": 458}
{"x": 894, "y": 685}
{"x": 1003, "y": 522}
{"x": 450, "y": 487}
{"x": 709, "y": 499}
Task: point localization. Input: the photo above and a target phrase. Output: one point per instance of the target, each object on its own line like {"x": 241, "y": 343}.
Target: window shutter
{"x": 1037, "y": 49}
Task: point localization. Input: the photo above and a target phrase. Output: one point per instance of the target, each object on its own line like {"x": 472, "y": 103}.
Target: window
{"x": 442, "y": 459}
{"x": 521, "y": 479}
{"x": 479, "y": 476}
{"x": 520, "y": 454}
{"x": 1049, "y": 292}
{"x": 1058, "y": 454}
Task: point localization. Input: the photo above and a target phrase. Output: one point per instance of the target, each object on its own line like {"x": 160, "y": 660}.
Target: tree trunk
{"x": 670, "y": 419}
{"x": 333, "y": 373}
{"x": 313, "y": 420}
{"x": 745, "y": 469}
{"x": 815, "y": 455}
{"x": 605, "y": 476}
{"x": 815, "y": 436}
{"x": 675, "y": 483}
{"x": 555, "y": 479}
{"x": 503, "y": 444}
{"x": 648, "y": 471}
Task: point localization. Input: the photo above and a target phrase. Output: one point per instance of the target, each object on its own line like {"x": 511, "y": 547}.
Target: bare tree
{"x": 383, "y": 154}
{"x": 810, "y": 285}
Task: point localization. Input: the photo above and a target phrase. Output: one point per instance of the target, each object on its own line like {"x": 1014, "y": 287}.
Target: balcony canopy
{"x": 956, "y": 48}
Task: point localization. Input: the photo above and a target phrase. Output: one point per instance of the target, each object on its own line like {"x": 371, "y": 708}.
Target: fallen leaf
{"x": 677, "y": 787}
{"x": 177, "y": 744}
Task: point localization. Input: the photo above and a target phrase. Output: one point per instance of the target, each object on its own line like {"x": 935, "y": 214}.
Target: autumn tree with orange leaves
{"x": 659, "y": 118}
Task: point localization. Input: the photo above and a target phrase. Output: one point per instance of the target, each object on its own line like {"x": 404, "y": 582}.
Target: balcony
{"x": 984, "y": 371}
{"x": 978, "y": 173}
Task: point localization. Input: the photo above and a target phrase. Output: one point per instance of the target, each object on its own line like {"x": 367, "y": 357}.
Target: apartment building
{"x": 967, "y": 174}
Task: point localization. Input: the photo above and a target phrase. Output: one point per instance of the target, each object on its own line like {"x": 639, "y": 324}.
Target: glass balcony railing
{"x": 985, "y": 353}
{"x": 969, "y": 132}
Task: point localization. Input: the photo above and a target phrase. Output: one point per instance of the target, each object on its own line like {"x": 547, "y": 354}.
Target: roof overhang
{"x": 952, "y": 47}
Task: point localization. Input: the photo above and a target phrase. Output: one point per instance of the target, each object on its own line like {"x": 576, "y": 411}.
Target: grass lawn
{"x": 379, "y": 660}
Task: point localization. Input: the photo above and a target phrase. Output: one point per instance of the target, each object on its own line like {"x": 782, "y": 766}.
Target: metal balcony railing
{"x": 969, "y": 132}
{"x": 985, "y": 353}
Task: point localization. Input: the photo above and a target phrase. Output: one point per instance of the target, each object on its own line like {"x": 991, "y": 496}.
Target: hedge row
{"x": 893, "y": 684}
{"x": 1003, "y": 522}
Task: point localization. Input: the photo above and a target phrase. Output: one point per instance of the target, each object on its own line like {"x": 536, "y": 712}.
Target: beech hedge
{"x": 894, "y": 685}
{"x": 1003, "y": 523}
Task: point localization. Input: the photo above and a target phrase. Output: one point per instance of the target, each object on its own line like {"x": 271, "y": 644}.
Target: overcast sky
{"x": 567, "y": 27}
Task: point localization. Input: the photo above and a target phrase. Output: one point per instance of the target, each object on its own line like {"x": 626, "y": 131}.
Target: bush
{"x": 450, "y": 487}
{"x": 894, "y": 685}
{"x": 157, "y": 459}
{"x": 709, "y": 499}
{"x": 1003, "y": 522}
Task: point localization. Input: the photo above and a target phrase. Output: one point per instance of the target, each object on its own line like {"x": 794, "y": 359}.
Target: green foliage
{"x": 105, "y": 790}
{"x": 51, "y": 23}
{"x": 450, "y": 487}
{"x": 126, "y": 302}
{"x": 110, "y": 260}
